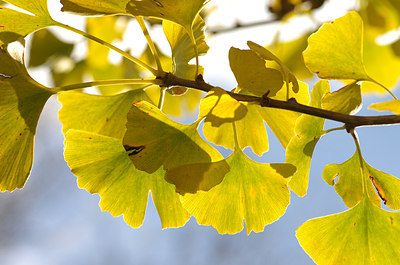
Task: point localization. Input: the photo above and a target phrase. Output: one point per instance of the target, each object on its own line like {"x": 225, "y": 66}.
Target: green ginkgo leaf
{"x": 335, "y": 51}
{"x": 227, "y": 119}
{"x": 349, "y": 184}
{"x": 363, "y": 235}
{"x": 11, "y": 31}
{"x": 308, "y": 130}
{"x": 102, "y": 166}
{"x": 392, "y": 105}
{"x": 21, "y": 102}
{"x": 346, "y": 100}
{"x": 94, "y": 127}
{"x": 163, "y": 142}
{"x": 252, "y": 191}
{"x": 253, "y": 75}
{"x": 181, "y": 12}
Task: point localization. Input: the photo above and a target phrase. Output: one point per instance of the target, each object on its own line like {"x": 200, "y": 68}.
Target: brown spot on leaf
{"x": 391, "y": 220}
{"x": 355, "y": 223}
{"x": 379, "y": 189}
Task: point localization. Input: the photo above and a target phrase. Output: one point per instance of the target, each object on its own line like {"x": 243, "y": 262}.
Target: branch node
{"x": 265, "y": 100}
{"x": 349, "y": 127}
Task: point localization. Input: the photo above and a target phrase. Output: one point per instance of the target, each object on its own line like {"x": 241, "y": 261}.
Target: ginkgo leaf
{"x": 102, "y": 166}
{"x": 11, "y": 31}
{"x": 37, "y": 7}
{"x": 381, "y": 62}
{"x": 392, "y": 105}
{"x": 94, "y": 127}
{"x": 335, "y": 51}
{"x": 105, "y": 115}
{"x": 290, "y": 53}
{"x": 21, "y": 102}
{"x": 251, "y": 191}
{"x": 163, "y": 142}
{"x": 345, "y": 100}
{"x": 349, "y": 184}
{"x": 288, "y": 77}
{"x": 225, "y": 115}
{"x": 182, "y": 46}
{"x": 181, "y": 12}
{"x": 253, "y": 75}
{"x": 362, "y": 235}
{"x": 282, "y": 122}
{"x": 308, "y": 130}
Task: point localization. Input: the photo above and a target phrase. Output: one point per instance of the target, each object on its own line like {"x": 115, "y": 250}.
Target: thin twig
{"x": 350, "y": 121}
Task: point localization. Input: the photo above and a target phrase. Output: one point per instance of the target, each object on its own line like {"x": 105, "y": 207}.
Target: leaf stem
{"x": 334, "y": 129}
{"x": 108, "y": 82}
{"x": 361, "y": 159}
{"x": 387, "y": 89}
{"x": 152, "y": 47}
{"x": 110, "y": 46}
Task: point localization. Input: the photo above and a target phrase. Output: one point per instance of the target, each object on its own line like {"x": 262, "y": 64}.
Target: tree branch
{"x": 350, "y": 121}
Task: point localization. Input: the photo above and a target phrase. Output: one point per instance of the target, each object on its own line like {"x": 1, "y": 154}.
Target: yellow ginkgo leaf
{"x": 335, "y": 51}
{"x": 21, "y": 102}
{"x": 392, "y": 105}
{"x": 252, "y": 191}
{"x": 362, "y": 235}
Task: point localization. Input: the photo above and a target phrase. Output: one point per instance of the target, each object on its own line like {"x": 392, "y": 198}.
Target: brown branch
{"x": 350, "y": 121}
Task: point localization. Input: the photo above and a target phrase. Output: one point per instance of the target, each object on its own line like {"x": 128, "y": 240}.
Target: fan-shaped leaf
{"x": 253, "y": 75}
{"x": 251, "y": 191}
{"x": 102, "y": 166}
{"x": 21, "y": 102}
{"x": 224, "y": 115}
{"x": 335, "y": 50}
{"x": 94, "y": 128}
{"x": 345, "y": 100}
{"x": 163, "y": 142}
{"x": 362, "y": 235}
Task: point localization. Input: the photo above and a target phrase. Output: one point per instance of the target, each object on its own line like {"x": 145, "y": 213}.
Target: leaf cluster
{"x": 122, "y": 143}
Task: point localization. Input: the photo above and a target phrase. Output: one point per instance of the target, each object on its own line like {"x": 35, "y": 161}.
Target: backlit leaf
{"x": 163, "y": 142}
{"x": 21, "y": 102}
{"x": 252, "y": 74}
{"x": 288, "y": 76}
{"x": 308, "y": 130}
{"x": 392, "y": 105}
{"x": 11, "y": 31}
{"x": 182, "y": 46}
{"x": 290, "y": 53}
{"x": 224, "y": 115}
{"x": 251, "y": 191}
{"x": 381, "y": 62}
{"x": 102, "y": 166}
{"x": 362, "y": 235}
{"x": 181, "y": 12}
{"x": 94, "y": 128}
{"x": 349, "y": 184}
{"x": 335, "y": 50}
{"x": 346, "y": 100}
